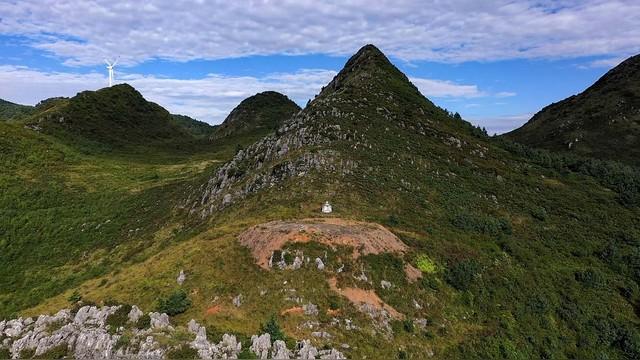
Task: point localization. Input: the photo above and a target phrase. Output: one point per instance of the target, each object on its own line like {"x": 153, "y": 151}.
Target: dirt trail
{"x": 365, "y": 238}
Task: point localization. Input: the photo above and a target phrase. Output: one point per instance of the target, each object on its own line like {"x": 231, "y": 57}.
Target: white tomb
{"x": 326, "y": 208}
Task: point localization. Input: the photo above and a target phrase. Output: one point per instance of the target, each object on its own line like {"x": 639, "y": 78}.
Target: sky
{"x": 496, "y": 62}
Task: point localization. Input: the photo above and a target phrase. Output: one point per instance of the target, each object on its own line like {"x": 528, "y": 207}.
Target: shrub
{"x": 407, "y": 325}
{"x": 482, "y": 224}
{"x": 272, "y": 328}
{"x": 590, "y": 278}
{"x": 539, "y": 213}
{"x": 461, "y": 275}
{"x": 176, "y": 303}
{"x": 75, "y": 297}
{"x": 425, "y": 264}
{"x": 144, "y": 322}
{"x": 118, "y": 318}
{"x": 58, "y": 352}
{"x": 334, "y": 302}
{"x": 183, "y": 352}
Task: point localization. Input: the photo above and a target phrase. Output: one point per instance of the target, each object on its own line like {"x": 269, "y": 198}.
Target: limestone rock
{"x": 181, "y": 277}
{"x": 319, "y": 264}
{"x": 385, "y": 284}
{"x": 159, "y": 320}
{"x": 237, "y": 301}
{"x": 310, "y": 309}
{"x": 135, "y": 314}
{"x": 260, "y": 345}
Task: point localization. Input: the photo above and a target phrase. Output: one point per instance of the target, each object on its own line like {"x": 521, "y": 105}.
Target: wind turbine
{"x": 110, "y": 66}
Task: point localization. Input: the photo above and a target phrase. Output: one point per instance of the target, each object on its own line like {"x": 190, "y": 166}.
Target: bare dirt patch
{"x": 361, "y": 296}
{"x": 412, "y": 273}
{"x": 294, "y": 310}
{"x": 365, "y": 238}
{"x": 214, "y": 309}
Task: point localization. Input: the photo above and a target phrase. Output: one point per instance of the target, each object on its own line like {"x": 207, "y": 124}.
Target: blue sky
{"x": 496, "y": 62}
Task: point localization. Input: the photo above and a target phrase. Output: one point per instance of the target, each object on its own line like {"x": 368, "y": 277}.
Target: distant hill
{"x": 262, "y": 112}
{"x": 113, "y": 117}
{"x": 197, "y": 128}
{"x": 11, "y": 111}
{"x": 601, "y": 122}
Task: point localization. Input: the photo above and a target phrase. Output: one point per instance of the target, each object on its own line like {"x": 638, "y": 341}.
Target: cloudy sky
{"x": 495, "y": 61}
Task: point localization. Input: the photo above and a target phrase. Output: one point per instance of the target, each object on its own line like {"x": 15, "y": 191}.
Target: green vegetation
{"x": 258, "y": 115}
{"x": 144, "y": 322}
{"x": 601, "y": 122}
{"x": 524, "y": 253}
{"x": 198, "y": 129}
{"x": 57, "y": 352}
{"x": 176, "y": 303}
{"x": 119, "y": 318}
{"x": 272, "y": 328}
{"x": 426, "y": 265}
{"x": 184, "y": 352}
{"x": 11, "y": 111}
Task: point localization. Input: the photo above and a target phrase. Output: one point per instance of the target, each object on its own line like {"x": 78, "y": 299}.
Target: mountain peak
{"x": 262, "y": 112}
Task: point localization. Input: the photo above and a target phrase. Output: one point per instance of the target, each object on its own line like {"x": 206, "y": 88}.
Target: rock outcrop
{"x": 86, "y": 334}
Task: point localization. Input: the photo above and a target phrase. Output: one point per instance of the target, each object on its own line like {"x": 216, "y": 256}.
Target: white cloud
{"x": 500, "y": 124}
{"x": 604, "y": 63}
{"x": 84, "y": 32}
{"x": 441, "y": 88}
{"x": 209, "y": 98}
{"x": 504, "y": 94}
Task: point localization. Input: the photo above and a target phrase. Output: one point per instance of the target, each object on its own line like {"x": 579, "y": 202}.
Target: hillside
{"x": 601, "y": 122}
{"x": 198, "y": 129}
{"x": 259, "y": 114}
{"x": 111, "y": 118}
{"x": 442, "y": 243}
{"x": 11, "y": 111}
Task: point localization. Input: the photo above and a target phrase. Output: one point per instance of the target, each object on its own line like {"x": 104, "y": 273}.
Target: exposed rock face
{"x": 159, "y": 320}
{"x": 262, "y": 347}
{"x": 86, "y": 336}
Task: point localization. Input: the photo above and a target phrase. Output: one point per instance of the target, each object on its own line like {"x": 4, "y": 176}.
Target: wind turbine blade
{"x": 107, "y": 62}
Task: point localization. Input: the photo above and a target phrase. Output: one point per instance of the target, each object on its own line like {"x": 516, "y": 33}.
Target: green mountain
{"x": 196, "y": 128}
{"x": 442, "y": 242}
{"x": 110, "y": 118}
{"x": 10, "y": 111}
{"x": 601, "y": 122}
{"x": 259, "y": 114}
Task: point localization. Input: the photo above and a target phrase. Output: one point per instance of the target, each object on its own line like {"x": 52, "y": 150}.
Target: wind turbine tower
{"x": 110, "y": 66}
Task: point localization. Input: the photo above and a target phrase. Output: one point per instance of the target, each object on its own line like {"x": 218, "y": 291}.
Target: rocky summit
{"x": 371, "y": 223}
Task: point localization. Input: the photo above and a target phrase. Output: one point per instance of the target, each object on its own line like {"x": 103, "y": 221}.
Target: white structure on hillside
{"x": 326, "y": 208}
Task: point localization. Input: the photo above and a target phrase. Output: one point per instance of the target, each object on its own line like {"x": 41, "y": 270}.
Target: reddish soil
{"x": 214, "y": 309}
{"x": 364, "y": 238}
{"x": 361, "y": 296}
{"x": 294, "y": 310}
{"x": 412, "y": 273}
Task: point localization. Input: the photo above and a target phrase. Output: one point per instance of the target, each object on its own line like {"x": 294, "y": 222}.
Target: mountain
{"x": 196, "y": 128}
{"x": 9, "y": 110}
{"x": 109, "y": 118}
{"x": 601, "y": 122}
{"x": 442, "y": 242}
{"x": 260, "y": 113}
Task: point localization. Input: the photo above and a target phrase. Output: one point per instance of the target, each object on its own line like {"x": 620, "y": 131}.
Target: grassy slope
{"x": 547, "y": 269}
{"x": 258, "y": 114}
{"x": 11, "y": 111}
{"x": 601, "y": 122}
